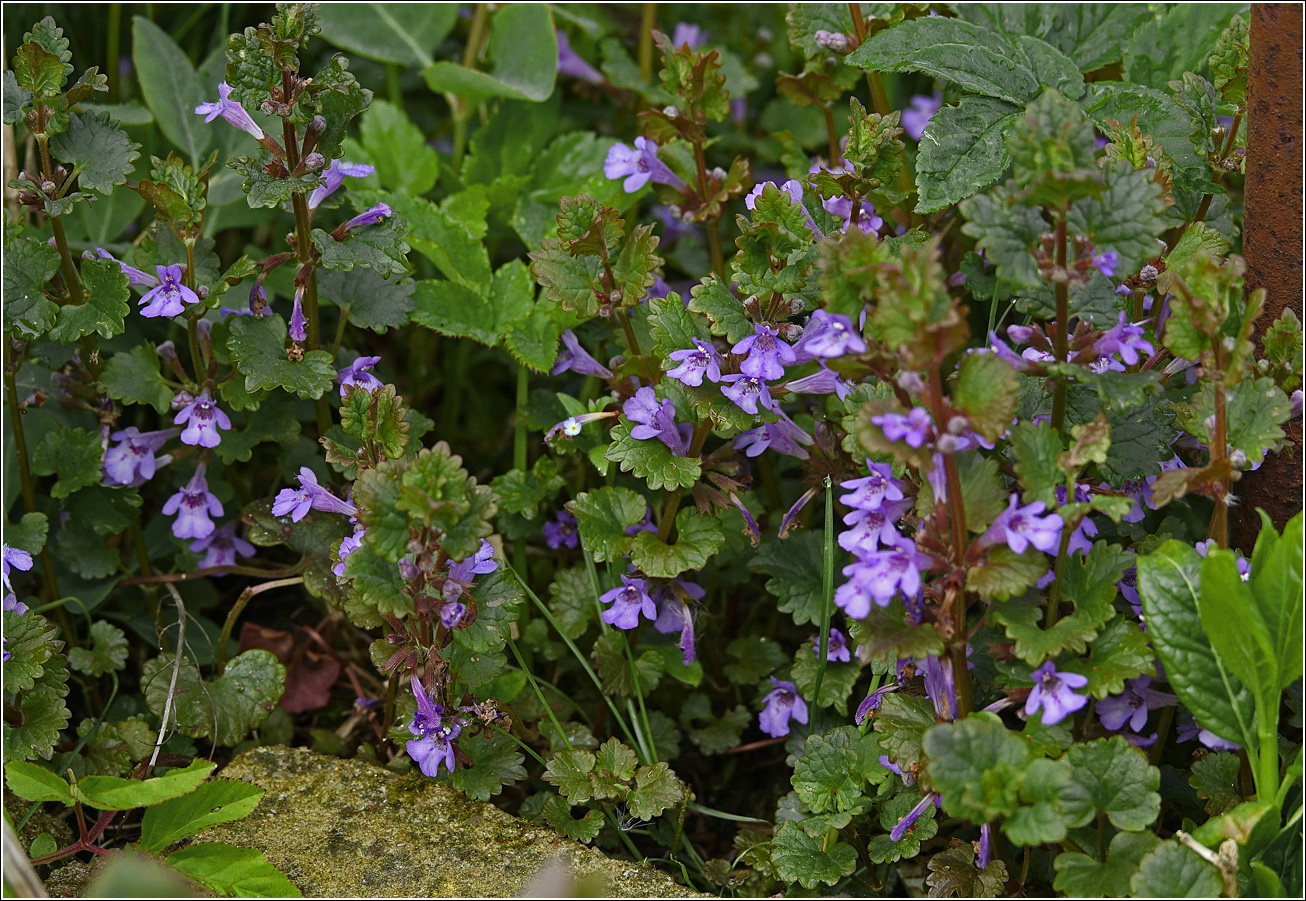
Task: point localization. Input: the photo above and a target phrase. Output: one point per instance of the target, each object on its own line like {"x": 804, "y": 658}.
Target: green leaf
{"x": 1007, "y": 234}
{"x": 525, "y": 53}
{"x": 398, "y": 149}
{"x": 213, "y": 803}
{"x": 697, "y": 538}
{"x": 603, "y": 515}
{"x": 712, "y": 734}
{"x": 117, "y": 793}
{"x": 28, "y": 533}
{"x": 795, "y": 566}
{"x": 105, "y": 308}
{"x": 1051, "y": 67}
{"x": 900, "y": 723}
{"x": 656, "y": 789}
{"x": 1036, "y": 448}
{"x": 388, "y": 32}
{"x": 1255, "y": 410}
{"x": 1112, "y": 776}
{"x": 1093, "y": 35}
{"x": 39, "y": 71}
{"x": 1004, "y": 574}
{"x": 1178, "y": 41}
{"x": 1081, "y": 876}
{"x": 496, "y": 762}
{"x": 1159, "y": 116}
{"x": 380, "y": 247}
{"x": 42, "y": 714}
{"x": 1215, "y": 777}
{"x": 224, "y": 709}
{"x": 1119, "y": 653}
{"x": 172, "y": 89}
{"x": 231, "y": 871}
{"x": 29, "y": 266}
{"x": 1232, "y": 620}
{"x": 451, "y": 309}
{"x": 953, "y": 873}
{"x": 755, "y": 656}
{"x": 98, "y": 150}
{"x": 557, "y": 813}
{"x": 963, "y": 150}
{"x": 977, "y": 765}
{"x": 725, "y": 311}
{"x": 837, "y": 684}
{"x": 30, "y": 640}
{"x": 34, "y": 783}
{"x": 258, "y": 347}
{"x": 651, "y": 460}
{"x": 1168, "y": 584}
{"x": 1229, "y": 63}
{"x": 882, "y": 849}
{"x": 799, "y": 857}
{"x": 1276, "y": 582}
{"x": 609, "y": 657}
{"x": 448, "y": 242}
{"x": 986, "y": 390}
{"x": 566, "y": 279}
{"x": 974, "y": 58}
{"x": 570, "y": 772}
{"x": 826, "y": 777}
{"x": 1172, "y": 870}
{"x": 16, "y": 99}
{"x": 73, "y": 454}
{"x": 108, "y": 653}
{"x": 1127, "y": 218}
{"x": 132, "y": 376}
{"x": 1140, "y": 435}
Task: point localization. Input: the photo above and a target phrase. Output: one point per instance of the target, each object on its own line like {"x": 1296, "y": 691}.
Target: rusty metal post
{"x": 1272, "y": 236}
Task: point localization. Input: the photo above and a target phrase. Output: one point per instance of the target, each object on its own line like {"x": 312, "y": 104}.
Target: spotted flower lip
{"x": 781, "y": 705}
{"x": 836, "y": 648}
{"x": 203, "y": 418}
{"x": 193, "y": 505}
{"x": 766, "y": 353}
{"x": 221, "y": 547}
{"x": 434, "y": 734}
{"x": 638, "y": 166}
{"x": 169, "y": 297}
{"x": 1125, "y": 339}
{"x": 696, "y": 363}
{"x": 654, "y": 419}
{"x": 1021, "y": 527}
{"x": 359, "y": 373}
{"x": 132, "y": 462}
{"x": 310, "y": 496}
{"x": 748, "y": 392}
{"x": 829, "y": 335}
{"x": 871, "y": 492}
{"x": 629, "y": 601}
{"x": 879, "y": 577}
{"x": 231, "y": 111}
{"x": 913, "y": 429}
{"x": 1054, "y": 693}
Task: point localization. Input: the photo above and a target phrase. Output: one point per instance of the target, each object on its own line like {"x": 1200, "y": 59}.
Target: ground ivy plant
{"x": 794, "y": 446}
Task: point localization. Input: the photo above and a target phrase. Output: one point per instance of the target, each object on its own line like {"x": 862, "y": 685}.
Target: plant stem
{"x": 1061, "y": 337}
{"x": 827, "y": 592}
{"x": 519, "y": 453}
{"x": 72, "y": 283}
{"x": 50, "y": 582}
{"x": 304, "y": 247}
{"x": 196, "y": 358}
{"x": 831, "y": 137}
{"x": 671, "y": 500}
{"x": 1054, "y": 593}
{"x": 1219, "y": 529}
{"x": 647, "y": 23}
{"x": 626, "y": 327}
{"x": 220, "y": 652}
{"x": 112, "y": 49}
{"x": 1267, "y": 735}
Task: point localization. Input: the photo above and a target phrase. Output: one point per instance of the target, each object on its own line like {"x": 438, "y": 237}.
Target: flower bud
{"x": 1148, "y": 273}
{"x": 166, "y": 351}
{"x": 957, "y": 425}
{"x": 911, "y": 382}
{"x": 1238, "y": 459}
{"x": 314, "y": 161}
{"x": 948, "y": 444}
{"x": 182, "y": 399}
{"x": 407, "y": 570}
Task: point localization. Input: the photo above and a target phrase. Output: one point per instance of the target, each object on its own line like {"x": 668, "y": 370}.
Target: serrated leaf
{"x": 795, "y": 566}
{"x": 1215, "y": 778}
{"x": 557, "y": 813}
{"x": 755, "y": 657}
{"x": 380, "y": 247}
{"x": 799, "y": 857}
{"x": 651, "y": 460}
{"x": 1119, "y": 653}
{"x": 656, "y": 789}
{"x": 108, "y": 652}
{"x": 452, "y": 309}
{"x": 1175, "y": 871}
{"x": 977, "y": 765}
{"x": 986, "y": 391}
{"x": 570, "y": 772}
{"x": 71, "y": 453}
{"x": 258, "y": 347}
{"x": 1127, "y": 218}
{"x": 610, "y": 659}
{"x": 40, "y": 71}
{"x": 1082, "y": 876}
{"x": 224, "y": 709}
{"x": 132, "y": 376}
{"x": 98, "y": 150}
{"x": 900, "y": 723}
{"x": 826, "y": 777}
{"x": 29, "y": 266}
{"x": 105, "y": 306}
{"x": 371, "y": 300}
{"x": 963, "y": 150}
{"x": 725, "y": 311}
{"x": 1112, "y": 776}
{"x": 1007, "y": 234}
{"x": 567, "y": 280}
{"x": 603, "y": 515}
{"x": 1004, "y": 574}
{"x": 16, "y": 99}
{"x": 496, "y": 761}
{"x": 448, "y": 242}
{"x": 232, "y": 871}
{"x": 697, "y": 538}
{"x": 1159, "y": 116}
{"x": 836, "y": 685}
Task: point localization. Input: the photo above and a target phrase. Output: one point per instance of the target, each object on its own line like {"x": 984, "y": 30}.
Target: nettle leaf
{"x": 1254, "y": 413}
{"x": 1004, "y": 574}
{"x": 522, "y": 492}
{"x": 570, "y": 772}
{"x": 603, "y": 516}
{"x": 71, "y": 453}
{"x": 29, "y": 266}
{"x": 41, "y": 63}
{"x": 1007, "y": 233}
{"x": 1112, "y": 776}
{"x": 837, "y": 684}
{"x": 380, "y": 247}
{"x": 557, "y": 813}
{"x": 1140, "y": 435}
{"x": 1168, "y": 584}
{"x": 987, "y": 390}
{"x": 133, "y": 377}
{"x": 371, "y": 300}
{"x": 795, "y": 565}
{"x": 104, "y": 309}
{"x": 900, "y": 724}
{"x": 977, "y": 765}
{"x": 231, "y": 871}
{"x": 723, "y": 309}
{"x": 962, "y": 151}
{"x": 1119, "y": 653}
{"x": 43, "y": 715}
{"x": 810, "y": 861}
{"x": 98, "y": 149}
{"x": 672, "y": 327}
{"x": 755, "y": 657}
{"x": 1127, "y": 218}
{"x": 976, "y": 59}
{"x": 1215, "y": 778}
{"x": 1159, "y": 116}
{"x": 108, "y": 653}
{"x": 258, "y": 347}
{"x": 375, "y": 587}
{"x": 1082, "y": 876}
{"x": 1051, "y": 67}
{"x": 1088, "y": 583}
{"x": 651, "y": 460}
{"x": 697, "y": 538}
{"x": 224, "y": 709}
{"x": 885, "y": 636}
{"x": 30, "y": 640}
{"x": 1175, "y": 871}
{"x": 496, "y": 762}
{"x": 826, "y": 776}
{"x": 609, "y": 657}
{"x": 656, "y": 789}
{"x": 451, "y": 309}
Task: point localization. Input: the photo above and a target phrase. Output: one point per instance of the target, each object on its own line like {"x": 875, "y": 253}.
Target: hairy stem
{"x": 671, "y": 500}
{"x": 1061, "y": 337}
{"x": 827, "y": 592}
{"x": 1219, "y": 529}
{"x": 958, "y": 531}
{"x": 72, "y": 282}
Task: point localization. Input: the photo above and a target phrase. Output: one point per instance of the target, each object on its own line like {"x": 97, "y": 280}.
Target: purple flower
{"x": 1243, "y": 564}
{"x": 134, "y": 276}
{"x": 170, "y": 297}
{"x": 781, "y": 436}
{"x": 1132, "y": 705}
{"x": 674, "y": 616}
{"x": 452, "y": 613}
{"x": 824, "y": 381}
{"x": 836, "y": 648}
{"x": 12, "y": 605}
{"x": 371, "y": 216}
{"x": 576, "y": 359}
{"x": 871, "y": 492}
{"x": 655, "y": 420}
{"x": 687, "y": 34}
{"x": 348, "y": 545}
{"x": 782, "y": 704}
{"x": 1124, "y": 339}
{"x": 914, "y": 428}
{"x": 1018, "y": 527}
{"x": 433, "y": 744}
{"x": 334, "y": 176}
{"x": 193, "y": 505}
{"x": 203, "y": 419}
{"x": 231, "y": 111}
{"x": 1193, "y": 729}
{"x": 985, "y": 847}
{"x": 562, "y": 531}
{"x": 17, "y": 558}
{"x": 747, "y": 392}
{"x": 1054, "y": 694}
{"x": 878, "y": 578}
{"x": 918, "y": 115}
{"x": 132, "y": 462}
{"x": 829, "y": 335}
{"x": 569, "y": 63}
{"x": 766, "y": 354}
{"x": 831, "y": 40}
{"x": 628, "y": 602}
{"x": 912, "y": 816}
{"x": 842, "y": 208}
{"x": 358, "y": 373}
{"x": 310, "y": 496}
{"x": 463, "y": 573}
{"x": 638, "y": 166}
{"x": 940, "y": 687}
{"x": 297, "y": 331}
{"x": 795, "y": 191}
{"x": 1081, "y": 539}
{"x": 695, "y": 363}
{"x": 872, "y": 702}
{"x": 221, "y": 546}
{"x": 1106, "y": 262}
{"x": 872, "y": 530}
